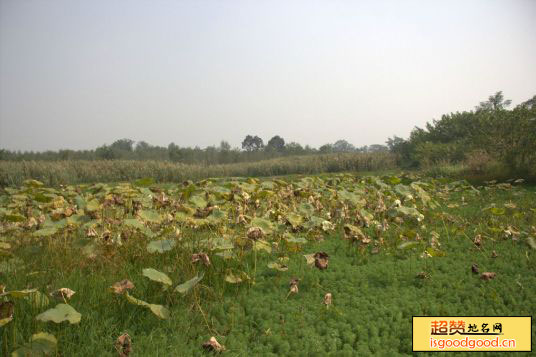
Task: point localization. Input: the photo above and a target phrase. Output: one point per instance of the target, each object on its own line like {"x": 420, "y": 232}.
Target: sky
{"x": 80, "y": 74}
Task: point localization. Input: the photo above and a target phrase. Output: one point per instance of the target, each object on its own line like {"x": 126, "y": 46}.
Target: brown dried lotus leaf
{"x": 255, "y": 233}
{"x": 294, "y": 286}
{"x": 474, "y": 268}
{"x": 91, "y": 232}
{"x": 63, "y": 293}
{"x": 327, "y": 299}
{"x": 121, "y": 286}
{"x": 203, "y": 257}
{"x": 423, "y": 275}
{"x": 123, "y": 345}
{"x": 488, "y": 275}
{"x": 213, "y": 345}
{"x": 321, "y": 260}
{"x": 6, "y": 310}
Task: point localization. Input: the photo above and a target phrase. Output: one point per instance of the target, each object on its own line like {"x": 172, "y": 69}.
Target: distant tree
{"x": 142, "y": 146}
{"x": 123, "y": 144}
{"x": 529, "y": 104}
{"x": 252, "y": 143}
{"x": 326, "y": 148}
{"x": 377, "y": 148}
{"x": 294, "y": 148}
{"x": 225, "y": 146}
{"x": 276, "y": 143}
{"x": 105, "y": 152}
{"x": 174, "y": 152}
{"x": 495, "y": 102}
{"x": 343, "y": 146}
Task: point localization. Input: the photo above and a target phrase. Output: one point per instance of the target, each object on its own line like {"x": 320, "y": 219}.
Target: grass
{"x": 374, "y": 295}
{"x": 55, "y": 173}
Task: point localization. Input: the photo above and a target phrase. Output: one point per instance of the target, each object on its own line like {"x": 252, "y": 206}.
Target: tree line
{"x": 492, "y": 133}
{"x": 252, "y": 149}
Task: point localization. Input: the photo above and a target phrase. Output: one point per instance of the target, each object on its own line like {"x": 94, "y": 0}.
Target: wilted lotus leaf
{"x": 265, "y": 225}
{"x": 45, "y": 232}
{"x": 510, "y": 205}
{"x": 213, "y": 345}
{"x": 353, "y": 233}
{"x": 187, "y": 286}
{"x": 198, "y": 201}
{"x": 236, "y": 278}
{"x": 6, "y": 312}
{"x": 327, "y": 226}
{"x": 121, "y": 286}
{"x": 294, "y": 286}
{"x": 531, "y": 242}
{"x": 63, "y": 293}
{"x": 433, "y": 252}
{"x": 280, "y": 264}
{"x": 41, "y": 344}
{"x": 327, "y": 299}
{"x": 32, "y": 183}
{"x": 262, "y": 245}
{"x": 407, "y": 245}
{"x": 321, "y": 260}
{"x": 160, "y": 246}
{"x": 123, "y": 345}
{"x": 157, "y": 276}
{"x": 474, "y": 268}
{"x": 423, "y": 275}
{"x": 150, "y": 216}
{"x": 158, "y": 310}
{"x": 202, "y": 257}
{"x": 488, "y": 276}
{"x": 62, "y": 312}
{"x": 255, "y": 233}
{"x": 511, "y": 232}
{"x": 310, "y": 258}
{"x": 91, "y": 232}
{"x": 478, "y": 240}
{"x": 497, "y": 211}
{"x": 295, "y": 220}
{"x": 297, "y": 240}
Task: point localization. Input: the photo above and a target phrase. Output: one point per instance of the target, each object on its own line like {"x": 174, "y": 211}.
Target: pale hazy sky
{"x": 78, "y": 74}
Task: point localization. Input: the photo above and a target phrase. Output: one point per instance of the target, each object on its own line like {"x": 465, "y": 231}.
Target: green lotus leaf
{"x": 160, "y": 246}
{"x": 151, "y": 216}
{"x": 157, "y": 276}
{"x": 93, "y": 206}
{"x": 41, "y": 344}
{"x": 159, "y": 310}
{"x": 188, "y": 285}
{"x": 62, "y": 312}
{"x": 144, "y": 182}
{"x": 198, "y": 201}
{"x": 14, "y": 217}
